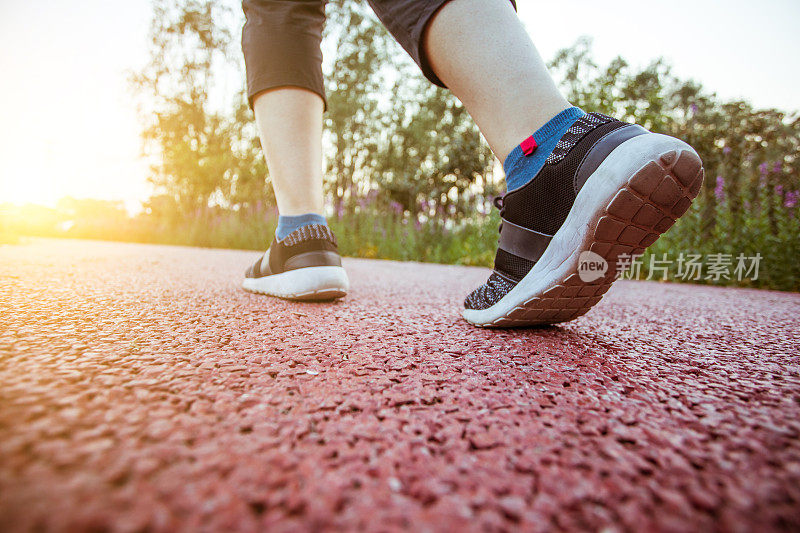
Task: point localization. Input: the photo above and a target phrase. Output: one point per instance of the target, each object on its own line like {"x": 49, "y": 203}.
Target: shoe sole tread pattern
{"x": 653, "y": 198}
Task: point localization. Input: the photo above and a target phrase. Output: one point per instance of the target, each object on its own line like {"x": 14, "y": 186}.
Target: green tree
{"x": 354, "y": 84}
{"x": 203, "y": 153}
{"x": 734, "y": 139}
{"x": 392, "y": 133}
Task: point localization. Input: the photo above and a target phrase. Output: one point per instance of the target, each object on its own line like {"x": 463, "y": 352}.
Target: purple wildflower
{"x": 694, "y": 109}
{"x": 779, "y": 190}
{"x": 719, "y": 190}
{"x": 396, "y": 207}
{"x": 791, "y": 199}
{"x": 726, "y": 150}
{"x": 777, "y": 167}
{"x": 762, "y": 169}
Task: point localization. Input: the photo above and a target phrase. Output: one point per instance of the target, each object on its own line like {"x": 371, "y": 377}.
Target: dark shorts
{"x": 281, "y": 39}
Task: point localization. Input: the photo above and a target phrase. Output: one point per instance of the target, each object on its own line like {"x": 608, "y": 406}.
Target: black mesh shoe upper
{"x": 309, "y": 246}
{"x": 543, "y": 204}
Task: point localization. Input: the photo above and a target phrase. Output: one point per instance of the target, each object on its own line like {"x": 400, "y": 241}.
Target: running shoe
{"x": 305, "y": 265}
{"x": 607, "y": 191}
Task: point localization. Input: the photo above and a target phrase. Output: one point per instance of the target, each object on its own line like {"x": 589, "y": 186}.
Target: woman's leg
{"x": 583, "y": 190}
{"x": 281, "y": 45}
{"x": 290, "y": 124}
{"x": 482, "y": 53}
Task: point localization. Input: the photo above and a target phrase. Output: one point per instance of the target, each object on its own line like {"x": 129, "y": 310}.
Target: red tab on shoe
{"x": 528, "y": 145}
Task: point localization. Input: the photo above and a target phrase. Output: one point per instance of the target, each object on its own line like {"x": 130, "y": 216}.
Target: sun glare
{"x": 81, "y": 138}
{"x": 31, "y": 190}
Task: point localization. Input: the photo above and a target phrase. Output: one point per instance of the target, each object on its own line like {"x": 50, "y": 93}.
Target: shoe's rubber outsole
{"x": 306, "y": 284}
{"x": 634, "y": 196}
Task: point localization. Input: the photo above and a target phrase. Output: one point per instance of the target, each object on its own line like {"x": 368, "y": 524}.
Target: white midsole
{"x": 301, "y": 282}
{"x": 560, "y": 259}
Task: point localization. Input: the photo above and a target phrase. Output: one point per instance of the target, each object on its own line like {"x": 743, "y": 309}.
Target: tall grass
{"x": 765, "y": 224}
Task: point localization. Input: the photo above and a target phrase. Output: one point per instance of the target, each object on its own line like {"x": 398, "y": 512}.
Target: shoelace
{"x": 498, "y": 203}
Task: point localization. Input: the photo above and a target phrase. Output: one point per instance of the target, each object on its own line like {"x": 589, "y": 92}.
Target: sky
{"x": 68, "y": 125}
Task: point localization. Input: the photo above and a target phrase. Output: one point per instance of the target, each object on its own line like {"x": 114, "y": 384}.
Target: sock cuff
{"x": 554, "y": 126}
{"x": 290, "y": 223}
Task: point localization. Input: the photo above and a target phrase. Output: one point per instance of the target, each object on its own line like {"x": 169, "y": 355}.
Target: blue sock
{"x": 287, "y": 224}
{"x": 527, "y": 159}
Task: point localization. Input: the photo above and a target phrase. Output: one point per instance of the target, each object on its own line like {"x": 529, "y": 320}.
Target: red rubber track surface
{"x": 141, "y": 389}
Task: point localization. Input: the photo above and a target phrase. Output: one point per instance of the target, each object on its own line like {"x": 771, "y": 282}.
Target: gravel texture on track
{"x": 142, "y": 390}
